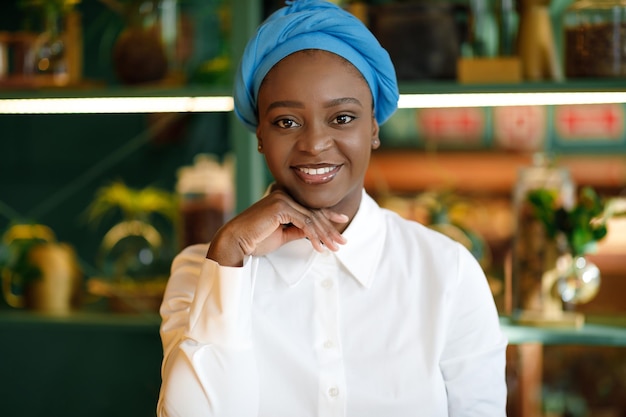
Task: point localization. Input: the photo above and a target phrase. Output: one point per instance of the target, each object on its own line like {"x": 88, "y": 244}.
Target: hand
{"x": 270, "y": 223}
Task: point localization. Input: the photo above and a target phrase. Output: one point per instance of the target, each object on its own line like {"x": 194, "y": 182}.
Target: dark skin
{"x": 316, "y": 130}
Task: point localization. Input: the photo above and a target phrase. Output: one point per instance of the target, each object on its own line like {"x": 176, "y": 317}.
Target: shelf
{"x": 91, "y": 91}
{"x": 88, "y": 321}
{"x": 597, "y": 331}
{"x": 579, "y": 85}
{"x": 412, "y": 171}
{"x": 116, "y": 100}
{"x": 451, "y": 94}
{"x": 96, "y": 99}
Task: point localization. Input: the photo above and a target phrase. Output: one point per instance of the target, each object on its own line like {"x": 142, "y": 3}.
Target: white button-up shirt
{"x": 399, "y": 322}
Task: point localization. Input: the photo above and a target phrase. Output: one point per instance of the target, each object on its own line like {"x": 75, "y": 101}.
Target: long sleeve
{"x": 473, "y": 361}
{"x": 209, "y": 366}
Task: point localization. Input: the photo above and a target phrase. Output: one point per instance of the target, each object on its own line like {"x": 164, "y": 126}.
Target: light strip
{"x": 225, "y": 103}
{"x": 423, "y": 101}
{"x": 116, "y": 105}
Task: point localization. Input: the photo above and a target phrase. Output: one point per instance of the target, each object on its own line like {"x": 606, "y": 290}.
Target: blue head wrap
{"x": 314, "y": 24}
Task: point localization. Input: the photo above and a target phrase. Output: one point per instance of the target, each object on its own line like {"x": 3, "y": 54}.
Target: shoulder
{"x": 427, "y": 250}
{"x": 412, "y": 233}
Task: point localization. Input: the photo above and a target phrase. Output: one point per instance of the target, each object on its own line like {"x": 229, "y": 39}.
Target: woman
{"x": 315, "y": 301}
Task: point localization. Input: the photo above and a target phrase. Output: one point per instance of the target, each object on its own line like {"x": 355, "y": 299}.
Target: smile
{"x": 317, "y": 171}
{"x": 318, "y": 175}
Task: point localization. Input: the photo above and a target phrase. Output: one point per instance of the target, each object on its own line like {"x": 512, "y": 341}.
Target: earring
{"x": 375, "y": 142}
{"x": 260, "y": 148}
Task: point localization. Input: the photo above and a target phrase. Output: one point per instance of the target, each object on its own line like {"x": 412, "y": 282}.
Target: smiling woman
{"x": 317, "y": 136}
{"x": 315, "y": 300}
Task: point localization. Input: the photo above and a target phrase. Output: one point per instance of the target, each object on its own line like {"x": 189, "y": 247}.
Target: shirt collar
{"x": 365, "y": 239}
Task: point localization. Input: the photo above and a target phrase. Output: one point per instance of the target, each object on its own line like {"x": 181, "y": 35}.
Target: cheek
{"x": 358, "y": 151}
{"x": 275, "y": 158}
{"x": 360, "y": 144}
{"x": 366, "y": 152}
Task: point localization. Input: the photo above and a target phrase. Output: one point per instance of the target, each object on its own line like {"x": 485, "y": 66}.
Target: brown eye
{"x": 344, "y": 119}
{"x": 286, "y": 123}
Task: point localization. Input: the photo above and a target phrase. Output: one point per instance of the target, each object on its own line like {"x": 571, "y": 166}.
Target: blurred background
{"x": 100, "y": 201}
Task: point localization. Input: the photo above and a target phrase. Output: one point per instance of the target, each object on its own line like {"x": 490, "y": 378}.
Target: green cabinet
{"x": 83, "y": 365}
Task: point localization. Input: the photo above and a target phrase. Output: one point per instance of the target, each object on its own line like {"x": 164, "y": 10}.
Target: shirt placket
{"x": 332, "y": 385}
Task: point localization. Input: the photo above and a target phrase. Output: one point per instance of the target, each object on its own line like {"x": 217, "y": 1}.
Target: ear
{"x": 259, "y": 141}
{"x": 375, "y": 132}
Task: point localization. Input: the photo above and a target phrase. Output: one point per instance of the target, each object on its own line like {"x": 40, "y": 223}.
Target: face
{"x": 317, "y": 129}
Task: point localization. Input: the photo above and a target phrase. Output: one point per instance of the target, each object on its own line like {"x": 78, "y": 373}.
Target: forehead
{"x": 308, "y": 56}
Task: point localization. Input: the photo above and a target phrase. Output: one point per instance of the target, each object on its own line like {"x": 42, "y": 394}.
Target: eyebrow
{"x": 285, "y": 103}
{"x": 343, "y": 100}
{"x": 299, "y": 105}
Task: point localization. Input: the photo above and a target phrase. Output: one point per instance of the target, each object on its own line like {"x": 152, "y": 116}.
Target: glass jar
{"x": 206, "y": 191}
{"x": 47, "y": 55}
{"x": 595, "y": 38}
{"x": 534, "y": 252}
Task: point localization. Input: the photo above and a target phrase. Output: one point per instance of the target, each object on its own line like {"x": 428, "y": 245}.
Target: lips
{"x": 318, "y": 174}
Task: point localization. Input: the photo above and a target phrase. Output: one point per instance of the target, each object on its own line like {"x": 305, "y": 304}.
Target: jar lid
{"x": 207, "y": 175}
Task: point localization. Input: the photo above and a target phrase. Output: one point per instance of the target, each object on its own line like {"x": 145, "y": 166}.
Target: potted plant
{"x": 132, "y": 252}
{"x": 576, "y": 232}
{"x": 38, "y": 272}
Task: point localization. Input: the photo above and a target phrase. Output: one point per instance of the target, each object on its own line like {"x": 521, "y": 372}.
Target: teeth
{"x": 318, "y": 171}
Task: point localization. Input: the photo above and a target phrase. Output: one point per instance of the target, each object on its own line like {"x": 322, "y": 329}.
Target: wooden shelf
{"x": 490, "y": 172}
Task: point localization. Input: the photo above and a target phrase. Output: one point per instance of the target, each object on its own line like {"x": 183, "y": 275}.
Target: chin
{"x": 316, "y": 200}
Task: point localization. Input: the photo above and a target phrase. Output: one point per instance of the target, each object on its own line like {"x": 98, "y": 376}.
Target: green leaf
{"x": 582, "y": 225}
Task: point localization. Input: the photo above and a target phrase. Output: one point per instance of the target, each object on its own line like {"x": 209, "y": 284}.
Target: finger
{"x": 335, "y": 217}
{"x": 319, "y": 226}
{"x": 320, "y": 231}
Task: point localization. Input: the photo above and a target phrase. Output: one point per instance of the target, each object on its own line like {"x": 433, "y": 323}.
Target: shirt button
{"x": 328, "y": 344}
{"x": 327, "y": 283}
{"x": 333, "y": 391}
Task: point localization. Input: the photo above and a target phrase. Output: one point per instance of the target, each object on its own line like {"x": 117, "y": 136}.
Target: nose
{"x": 315, "y": 139}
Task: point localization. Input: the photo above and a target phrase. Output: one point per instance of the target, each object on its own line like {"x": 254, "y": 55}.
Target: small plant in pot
{"x": 38, "y": 273}
{"x": 576, "y": 232}
{"x": 132, "y": 252}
